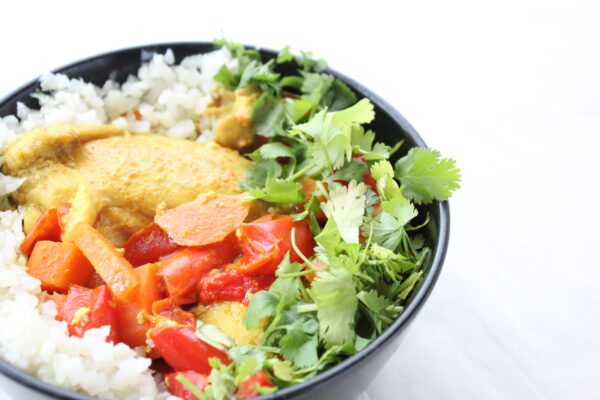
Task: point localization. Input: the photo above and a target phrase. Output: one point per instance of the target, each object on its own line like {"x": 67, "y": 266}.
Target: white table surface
{"x": 510, "y": 89}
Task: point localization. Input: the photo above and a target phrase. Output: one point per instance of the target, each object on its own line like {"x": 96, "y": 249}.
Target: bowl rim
{"x": 408, "y": 314}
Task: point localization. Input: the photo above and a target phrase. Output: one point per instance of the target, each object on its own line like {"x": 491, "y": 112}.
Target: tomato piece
{"x": 182, "y": 271}
{"x": 86, "y": 309}
{"x": 166, "y": 308}
{"x": 247, "y": 389}
{"x": 132, "y": 325}
{"x": 149, "y": 245}
{"x": 231, "y": 285}
{"x": 176, "y": 388}
{"x": 183, "y": 350}
{"x": 58, "y": 265}
{"x": 266, "y": 241}
{"x": 47, "y": 227}
{"x": 313, "y": 275}
{"x": 108, "y": 262}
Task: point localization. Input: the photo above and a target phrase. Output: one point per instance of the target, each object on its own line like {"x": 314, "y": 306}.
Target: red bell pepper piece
{"x": 265, "y": 242}
{"x": 132, "y": 325}
{"x": 149, "y": 245}
{"x": 177, "y": 388}
{"x": 231, "y": 285}
{"x": 183, "y": 350}
{"x": 182, "y": 271}
{"x": 47, "y": 227}
{"x": 85, "y": 309}
{"x": 247, "y": 389}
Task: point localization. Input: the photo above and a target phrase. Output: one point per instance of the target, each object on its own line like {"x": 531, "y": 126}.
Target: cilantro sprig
{"x": 321, "y": 158}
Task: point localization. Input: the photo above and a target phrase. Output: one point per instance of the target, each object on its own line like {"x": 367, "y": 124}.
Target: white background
{"x": 510, "y": 89}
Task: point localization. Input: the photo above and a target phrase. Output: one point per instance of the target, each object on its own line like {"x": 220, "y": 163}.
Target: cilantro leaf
{"x": 299, "y": 344}
{"x": 261, "y": 75}
{"x": 274, "y": 150}
{"x": 338, "y": 97}
{"x": 383, "y": 173}
{"x": 308, "y": 63}
{"x": 279, "y": 191}
{"x": 268, "y": 115}
{"x": 284, "y": 55}
{"x": 262, "y": 305}
{"x": 363, "y": 143}
{"x": 354, "y": 170}
{"x": 426, "y": 177}
{"x": 334, "y": 294}
{"x": 360, "y": 113}
{"x": 213, "y": 336}
{"x": 346, "y": 208}
{"x": 388, "y": 226}
{"x": 226, "y": 77}
{"x": 315, "y": 86}
{"x": 257, "y": 176}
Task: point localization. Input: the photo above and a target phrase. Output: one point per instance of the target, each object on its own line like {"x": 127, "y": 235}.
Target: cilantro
{"x": 353, "y": 170}
{"x": 279, "y": 191}
{"x": 307, "y": 63}
{"x": 227, "y": 78}
{"x": 335, "y": 296}
{"x": 363, "y": 143}
{"x": 346, "y": 208}
{"x": 338, "y": 97}
{"x": 284, "y": 55}
{"x": 261, "y": 75}
{"x": 268, "y": 115}
{"x": 262, "y": 304}
{"x": 425, "y": 176}
{"x": 261, "y": 171}
{"x": 213, "y": 336}
{"x": 388, "y": 226}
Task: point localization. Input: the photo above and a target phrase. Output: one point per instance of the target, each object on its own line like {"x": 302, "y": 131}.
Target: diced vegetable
{"x": 231, "y": 285}
{"x": 177, "y": 388}
{"x": 149, "y": 245}
{"x": 85, "y": 309}
{"x": 47, "y": 227}
{"x": 114, "y": 269}
{"x": 58, "y": 265}
{"x": 166, "y": 308}
{"x": 132, "y": 323}
{"x": 149, "y": 289}
{"x": 182, "y": 271}
{"x": 248, "y": 388}
{"x": 267, "y": 240}
{"x": 204, "y": 221}
{"x": 183, "y": 350}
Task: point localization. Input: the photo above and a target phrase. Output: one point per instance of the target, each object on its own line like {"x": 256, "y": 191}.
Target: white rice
{"x": 171, "y": 99}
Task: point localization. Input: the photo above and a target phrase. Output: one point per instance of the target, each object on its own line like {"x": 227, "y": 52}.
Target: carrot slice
{"x": 47, "y": 227}
{"x": 108, "y": 262}
{"x": 58, "y": 265}
{"x": 204, "y": 221}
{"x": 149, "y": 290}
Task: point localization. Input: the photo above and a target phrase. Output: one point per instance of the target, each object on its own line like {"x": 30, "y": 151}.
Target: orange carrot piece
{"x": 108, "y": 262}
{"x": 149, "y": 290}
{"x": 204, "y": 221}
{"x": 58, "y": 265}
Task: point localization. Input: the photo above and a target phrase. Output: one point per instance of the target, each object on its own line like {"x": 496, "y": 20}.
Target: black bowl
{"x": 347, "y": 379}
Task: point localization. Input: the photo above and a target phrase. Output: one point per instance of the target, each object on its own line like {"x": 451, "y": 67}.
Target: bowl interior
{"x": 389, "y": 127}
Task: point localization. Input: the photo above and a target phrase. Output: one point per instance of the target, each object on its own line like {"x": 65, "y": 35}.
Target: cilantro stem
{"x": 396, "y": 147}
{"x": 300, "y": 173}
{"x": 302, "y": 308}
{"x": 323, "y": 190}
{"x": 302, "y": 256}
{"x": 190, "y": 386}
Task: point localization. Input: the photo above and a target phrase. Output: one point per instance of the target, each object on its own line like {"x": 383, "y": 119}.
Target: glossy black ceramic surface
{"x": 342, "y": 382}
